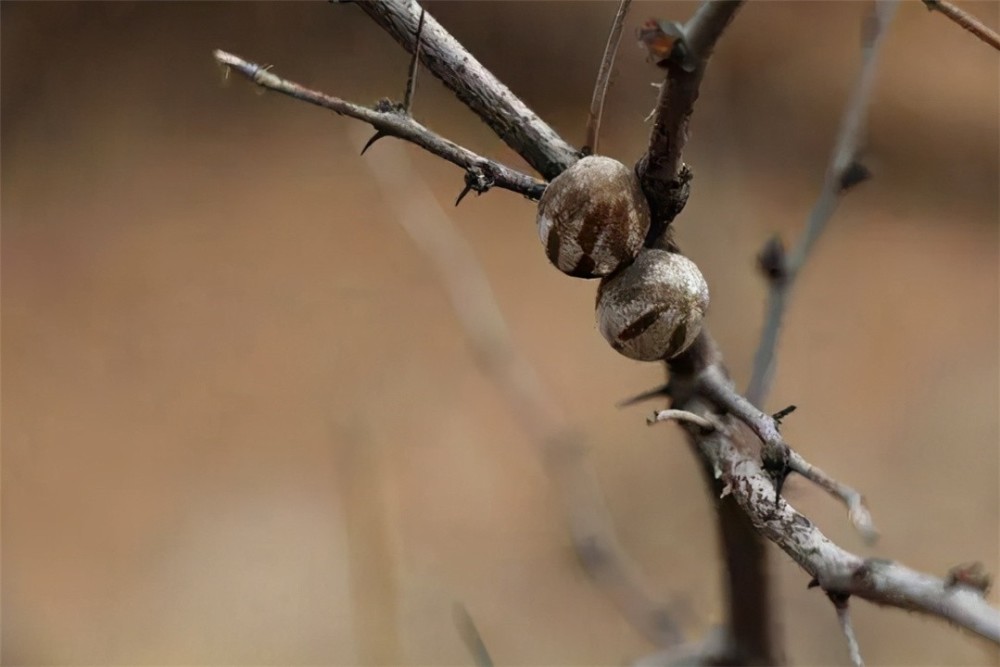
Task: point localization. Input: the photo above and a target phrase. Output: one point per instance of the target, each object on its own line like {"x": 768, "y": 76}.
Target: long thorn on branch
{"x": 388, "y": 121}
{"x": 965, "y": 20}
{"x": 604, "y": 78}
{"x": 561, "y": 447}
{"x": 843, "y": 172}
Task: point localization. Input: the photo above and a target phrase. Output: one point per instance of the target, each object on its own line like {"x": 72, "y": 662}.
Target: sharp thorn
{"x": 378, "y": 135}
{"x": 854, "y": 174}
{"x": 784, "y": 412}
{"x": 466, "y": 190}
{"x": 663, "y": 390}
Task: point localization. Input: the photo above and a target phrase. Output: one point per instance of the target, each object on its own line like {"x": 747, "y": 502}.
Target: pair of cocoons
{"x": 592, "y": 220}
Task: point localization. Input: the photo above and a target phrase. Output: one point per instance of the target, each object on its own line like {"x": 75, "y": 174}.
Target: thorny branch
{"x": 563, "y": 449}
{"x": 750, "y": 502}
{"x": 388, "y": 120}
{"x": 844, "y": 171}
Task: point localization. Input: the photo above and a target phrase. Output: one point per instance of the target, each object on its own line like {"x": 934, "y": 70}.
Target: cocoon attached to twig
{"x": 653, "y": 309}
{"x": 593, "y": 218}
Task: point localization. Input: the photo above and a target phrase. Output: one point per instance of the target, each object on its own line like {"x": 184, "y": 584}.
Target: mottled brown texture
{"x": 653, "y": 308}
{"x": 593, "y": 218}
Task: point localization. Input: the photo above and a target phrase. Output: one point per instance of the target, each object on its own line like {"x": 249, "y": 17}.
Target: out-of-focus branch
{"x": 966, "y": 20}
{"x": 604, "y": 77}
{"x": 388, "y": 120}
{"x": 469, "y": 633}
{"x": 563, "y": 449}
{"x": 517, "y": 125}
{"x": 664, "y": 177}
{"x": 844, "y": 171}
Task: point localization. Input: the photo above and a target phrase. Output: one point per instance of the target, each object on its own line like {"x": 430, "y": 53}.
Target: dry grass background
{"x": 240, "y": 425}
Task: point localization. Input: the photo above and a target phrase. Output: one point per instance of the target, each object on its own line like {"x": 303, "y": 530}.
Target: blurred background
{"x": 242, "y": 426}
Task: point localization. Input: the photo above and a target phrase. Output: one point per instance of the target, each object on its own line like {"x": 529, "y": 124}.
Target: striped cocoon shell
{"x": 593, "y": 218}
{"x": 654, "y": 308}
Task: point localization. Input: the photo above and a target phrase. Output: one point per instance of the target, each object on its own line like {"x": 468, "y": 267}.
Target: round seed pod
{"x": 593, "y": 218}
{"x": 653, "y": 309}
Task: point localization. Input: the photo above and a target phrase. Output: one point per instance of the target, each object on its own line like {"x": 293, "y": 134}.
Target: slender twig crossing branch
{"x": 389, "y": 121}
{"x": 517, "y": 125}
{"x": 965, "y": 20}
{"x": 604, "y": 77}
{"x": 844, "y": 171}
{"x": 411, "y": 80}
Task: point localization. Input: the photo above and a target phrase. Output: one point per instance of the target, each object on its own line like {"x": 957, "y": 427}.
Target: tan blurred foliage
{"x": 240, "y": 424}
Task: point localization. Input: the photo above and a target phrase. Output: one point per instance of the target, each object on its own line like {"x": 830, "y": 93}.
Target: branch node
{"x": 971, "y": 575}
{"x": 477, "y": 178}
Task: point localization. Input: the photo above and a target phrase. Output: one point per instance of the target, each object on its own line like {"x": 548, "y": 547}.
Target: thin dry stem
{"x": 604, "y": 77}
{"x": 857, "y": 510}
{"x": 843, "y": 171}
{"x": 411, "y": 79}
{"x": 389, "y": 121}
{"x": 966, "y": 20}
{"x": 562, "y": 447}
